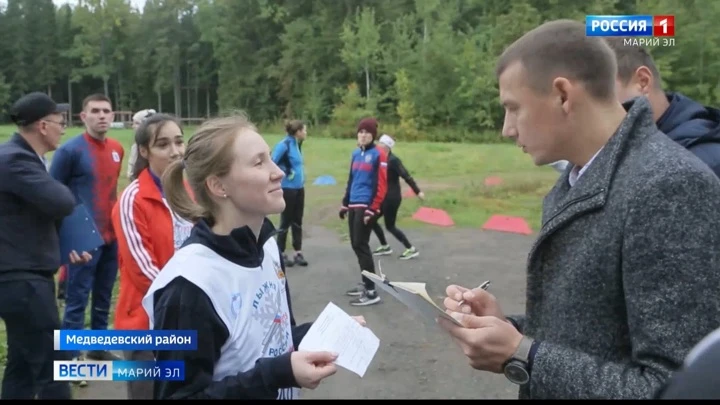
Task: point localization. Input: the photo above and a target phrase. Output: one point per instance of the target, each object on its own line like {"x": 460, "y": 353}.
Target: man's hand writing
{"x": 477, "y": 302}
{"x": 486, "y": 341}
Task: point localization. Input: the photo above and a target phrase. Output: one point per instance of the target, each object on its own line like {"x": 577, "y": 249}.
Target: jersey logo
{"x": 116, "y": 157}
{"x": 368, "y": 158}
{"x": 236, "y": 304}
{"x": 278, "y": 270}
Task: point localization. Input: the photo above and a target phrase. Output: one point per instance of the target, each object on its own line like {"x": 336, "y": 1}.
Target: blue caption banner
{"x": 125, "y": 340}
{"x": 619, "y": 26}
{"x": 118, "y": 370}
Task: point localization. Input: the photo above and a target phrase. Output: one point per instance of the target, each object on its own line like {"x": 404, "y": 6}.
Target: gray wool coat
{"x": 624, "y": 278}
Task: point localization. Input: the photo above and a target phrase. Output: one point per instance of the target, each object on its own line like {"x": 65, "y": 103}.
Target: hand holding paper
{"x": 337, "y": 332}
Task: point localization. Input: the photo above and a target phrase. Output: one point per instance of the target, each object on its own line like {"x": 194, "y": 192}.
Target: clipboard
{"x": 413, "y": 295}
{"x": 78, "y": 232}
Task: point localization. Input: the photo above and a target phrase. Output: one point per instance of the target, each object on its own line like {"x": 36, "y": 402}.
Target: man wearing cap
{"x": 32, "y": 204}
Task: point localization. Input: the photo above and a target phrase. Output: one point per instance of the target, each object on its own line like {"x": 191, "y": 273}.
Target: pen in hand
{"x": 483, "y": 286}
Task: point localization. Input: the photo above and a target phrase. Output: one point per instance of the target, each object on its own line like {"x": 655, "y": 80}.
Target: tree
{"x": 361, "y": 44}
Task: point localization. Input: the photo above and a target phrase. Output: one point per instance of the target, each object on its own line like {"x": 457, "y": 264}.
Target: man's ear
{"x": 562, "y": 89}
{"x": 644, "y": 79}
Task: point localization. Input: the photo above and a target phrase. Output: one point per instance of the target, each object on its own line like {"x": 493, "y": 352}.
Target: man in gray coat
{"x": 622, "y": 280}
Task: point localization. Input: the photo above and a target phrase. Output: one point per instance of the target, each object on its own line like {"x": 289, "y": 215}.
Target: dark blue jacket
{"x": 287, "y": 155}
{"x": 694, "y": 126}
{"x": 367, "y": 182}
{"x": 32, "y": 204}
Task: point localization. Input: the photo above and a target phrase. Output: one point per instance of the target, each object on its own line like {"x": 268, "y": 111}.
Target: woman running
{"x": 288, "y": 156}
{"x": 392, "y": 202}
{"x": 148, "y": 231}
{"x": 227, "y": 282}
{"x": 364, "y": 195}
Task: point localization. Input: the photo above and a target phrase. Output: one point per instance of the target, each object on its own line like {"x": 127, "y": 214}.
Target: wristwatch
{"x": 516, "y": 369}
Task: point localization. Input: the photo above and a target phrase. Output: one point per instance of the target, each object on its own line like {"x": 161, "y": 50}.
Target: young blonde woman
{"x": 148, "y": 231}
{"x": 228, "y": 281}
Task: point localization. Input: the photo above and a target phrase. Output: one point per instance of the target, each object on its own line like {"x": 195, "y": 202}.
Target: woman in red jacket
{"x": 148, "y": 231}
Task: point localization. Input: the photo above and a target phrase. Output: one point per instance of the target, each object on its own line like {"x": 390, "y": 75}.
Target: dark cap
{"x": 33, "y": 107}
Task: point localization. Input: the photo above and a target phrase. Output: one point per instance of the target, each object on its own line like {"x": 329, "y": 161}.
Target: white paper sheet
{"x": 336, "y": 331}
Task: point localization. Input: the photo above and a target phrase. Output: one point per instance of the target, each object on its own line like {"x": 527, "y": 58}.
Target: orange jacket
{"x": 148, "y": 234}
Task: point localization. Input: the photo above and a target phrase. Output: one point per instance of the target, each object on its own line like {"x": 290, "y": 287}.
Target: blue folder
{"x": 78, "y": 232}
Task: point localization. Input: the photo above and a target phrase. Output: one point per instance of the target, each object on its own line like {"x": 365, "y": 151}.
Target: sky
{"x": 137, "y": 3}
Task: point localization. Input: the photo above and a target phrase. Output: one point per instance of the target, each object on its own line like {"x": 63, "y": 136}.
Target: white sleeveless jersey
{"x": 252, "y": 302}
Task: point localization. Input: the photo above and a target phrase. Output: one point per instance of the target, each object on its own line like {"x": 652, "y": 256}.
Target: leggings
{"x": 360, "y": 241}
{"x": 389, "y": 211}
{"x": 292, "y": 218}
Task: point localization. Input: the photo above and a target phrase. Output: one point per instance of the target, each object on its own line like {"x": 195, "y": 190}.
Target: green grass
{"x": 452, "y": 176}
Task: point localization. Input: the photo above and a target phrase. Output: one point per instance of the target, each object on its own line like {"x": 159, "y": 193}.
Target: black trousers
{"x": 139, "y": 389}
{"x": 360, "y": 241}
{"x": 389, "y": 212}
{"x": 291, "y": 218}
{"x": 30, "y": 312}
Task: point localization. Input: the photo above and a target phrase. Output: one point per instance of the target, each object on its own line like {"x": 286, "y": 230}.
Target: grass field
{"x": 451, "y": 175}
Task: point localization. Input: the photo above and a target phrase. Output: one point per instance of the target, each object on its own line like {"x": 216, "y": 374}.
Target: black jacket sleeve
{"x": 27, "y": 178}
{"x": 346, "y": 197}
{"x": 400, "y": 168}
{"x": 182, "y": 305}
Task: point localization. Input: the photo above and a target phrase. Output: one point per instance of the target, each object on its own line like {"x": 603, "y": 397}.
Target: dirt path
{"x": 415, "y": 360}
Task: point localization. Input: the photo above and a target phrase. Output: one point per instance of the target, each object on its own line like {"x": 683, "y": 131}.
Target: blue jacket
{"x": 90, "y": 168}
{"x": 695, "y": 127}
{"x": 367, "y": 182}
{"x": 288, "y": 156}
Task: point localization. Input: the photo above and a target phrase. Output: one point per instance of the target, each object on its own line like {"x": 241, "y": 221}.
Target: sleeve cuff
{"x": 531, "y": 355}
{"x": 281, "y": 372}
{"x": 513, "y": 323}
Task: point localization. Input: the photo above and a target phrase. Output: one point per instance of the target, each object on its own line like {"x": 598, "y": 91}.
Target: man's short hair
{"x": 561, "y": 48}
{"x": 95, "y": 97}
{"x": 630, "y": 58}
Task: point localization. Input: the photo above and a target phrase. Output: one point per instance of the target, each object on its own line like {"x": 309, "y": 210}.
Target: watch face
{"x": 516, "y": 373}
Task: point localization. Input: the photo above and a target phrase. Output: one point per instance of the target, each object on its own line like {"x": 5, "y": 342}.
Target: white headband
{"x": 387, "y": 140}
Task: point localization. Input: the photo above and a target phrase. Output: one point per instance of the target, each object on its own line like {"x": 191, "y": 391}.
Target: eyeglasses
{"x": 61, "y": 123}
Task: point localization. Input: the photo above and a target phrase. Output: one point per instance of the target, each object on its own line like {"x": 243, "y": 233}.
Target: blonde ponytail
{"x": 173, "y": 183}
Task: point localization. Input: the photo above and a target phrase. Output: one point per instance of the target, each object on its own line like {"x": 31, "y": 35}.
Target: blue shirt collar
{"x": 157, "y": 181}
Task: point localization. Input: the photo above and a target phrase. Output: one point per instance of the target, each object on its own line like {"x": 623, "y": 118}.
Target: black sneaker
{"x": 357, "y": 291}
{"x": 300, "y": 260}
{"x": 369, "y": 298}
{"x": 288, "y": 261}
{"x": 102, "y": 355}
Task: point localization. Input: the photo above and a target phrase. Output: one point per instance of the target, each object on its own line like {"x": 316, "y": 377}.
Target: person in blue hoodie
{"x": 287, "y": 154}
{"x": 685, "y": 121}
{"x": 364, "y": 196}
